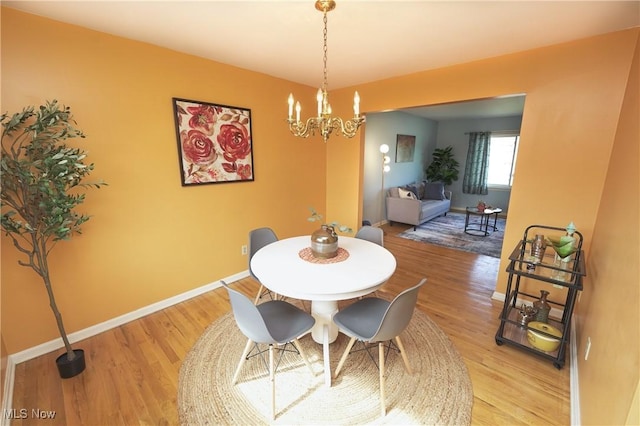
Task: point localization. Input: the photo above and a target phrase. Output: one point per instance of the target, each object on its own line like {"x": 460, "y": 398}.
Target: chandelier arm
{"x": 350, "y": 127}
{"x": 325, "y": 126}
{"x": 304, "y": 129}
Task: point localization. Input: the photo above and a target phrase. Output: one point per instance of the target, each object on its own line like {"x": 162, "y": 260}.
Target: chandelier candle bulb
{"x": 356, "y": 104}
{"x": 290, "y": 105}
{"x": 319, "y": 98}
{"x": 298, "y": 108}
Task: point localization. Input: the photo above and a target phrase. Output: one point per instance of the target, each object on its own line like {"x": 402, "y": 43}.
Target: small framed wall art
{"x": 405, "y": 145}
{"x": 214, "y": 142}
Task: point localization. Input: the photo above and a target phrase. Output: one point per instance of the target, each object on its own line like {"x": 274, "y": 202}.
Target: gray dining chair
{"x": 371, "y": 233}
{"x": 375, "y": 320}
{"x": 272, "y": 323}
{"x": 259, "y": 238}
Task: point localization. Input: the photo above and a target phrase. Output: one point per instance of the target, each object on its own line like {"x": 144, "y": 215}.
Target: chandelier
{"x": 324, "y": 123}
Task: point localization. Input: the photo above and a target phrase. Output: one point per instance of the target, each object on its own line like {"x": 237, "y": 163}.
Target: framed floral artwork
{"x": 214, "y": 142}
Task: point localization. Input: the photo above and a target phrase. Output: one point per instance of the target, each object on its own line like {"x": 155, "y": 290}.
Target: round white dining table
{"x": 280, "y": 267}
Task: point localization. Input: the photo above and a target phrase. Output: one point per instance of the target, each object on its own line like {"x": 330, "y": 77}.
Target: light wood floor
{"x": 132, "y": 371}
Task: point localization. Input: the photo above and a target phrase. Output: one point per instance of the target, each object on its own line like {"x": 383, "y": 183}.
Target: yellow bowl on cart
{"x": 543, "y": 336}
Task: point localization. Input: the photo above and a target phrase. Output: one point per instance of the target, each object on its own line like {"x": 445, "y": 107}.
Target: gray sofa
{"x": 417, "y": 203}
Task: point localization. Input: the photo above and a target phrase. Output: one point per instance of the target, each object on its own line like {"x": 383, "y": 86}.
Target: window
{"x": 502, "y": 159}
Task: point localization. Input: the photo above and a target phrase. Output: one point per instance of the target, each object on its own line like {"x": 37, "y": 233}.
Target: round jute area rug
{"x": 439, "y": 391}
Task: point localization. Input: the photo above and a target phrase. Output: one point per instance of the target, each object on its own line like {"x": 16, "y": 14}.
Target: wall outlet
{"x": 244, "y": 250}
{"x": 587, "y": 349}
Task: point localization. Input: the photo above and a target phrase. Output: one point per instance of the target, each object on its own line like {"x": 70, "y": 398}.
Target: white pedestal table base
{"x": 324, "y": 331}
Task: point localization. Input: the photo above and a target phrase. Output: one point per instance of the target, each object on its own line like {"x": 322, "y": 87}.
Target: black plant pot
{"x": 72, "y": 368}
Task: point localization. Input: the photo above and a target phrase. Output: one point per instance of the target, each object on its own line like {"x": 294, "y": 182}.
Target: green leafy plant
{"x": 40, "y": 177}
{"x": 443, "y": 167}
{"x": 317, "y": 217}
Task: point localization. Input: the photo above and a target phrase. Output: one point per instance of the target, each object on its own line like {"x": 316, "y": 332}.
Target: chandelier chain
{"x": 325, "y": 50}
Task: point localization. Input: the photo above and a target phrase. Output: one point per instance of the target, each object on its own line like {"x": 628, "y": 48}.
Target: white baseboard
{"x": 574, "y": 389}
{"x": 56, "y": 344}
{"x": 7, "y": 398}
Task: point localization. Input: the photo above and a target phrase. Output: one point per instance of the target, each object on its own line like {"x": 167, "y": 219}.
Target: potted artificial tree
{"x": 444, "y": 167}
{"x": 40, "y": 178}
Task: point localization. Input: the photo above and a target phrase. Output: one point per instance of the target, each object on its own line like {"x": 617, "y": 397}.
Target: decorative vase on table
{"x": 324, "y": 242}
{"x": 542, "y": 307}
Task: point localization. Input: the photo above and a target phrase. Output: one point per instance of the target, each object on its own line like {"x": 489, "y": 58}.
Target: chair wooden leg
{"x": 344, "y": 356}
{"x": 383, "y": 409}
{"x": 404, "y": 355}
{"x": 247, "y": 348}
{"x": 255, "y": 302}
{"x": 296, "y": 343}
{"x": 273, "y": 383}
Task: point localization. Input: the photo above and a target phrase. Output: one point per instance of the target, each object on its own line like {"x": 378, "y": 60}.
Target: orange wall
{"x": 149, "y": 238}
{"x": 609, "y": 310}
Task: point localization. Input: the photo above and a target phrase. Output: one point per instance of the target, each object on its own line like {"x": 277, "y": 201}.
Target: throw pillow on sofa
{"x": 434, "y": 191}
{"x": 417, "y": 189}
{"x": 420, "y": 189}
{"x": 406, "y": 194}
{"x": 411, "y": 188}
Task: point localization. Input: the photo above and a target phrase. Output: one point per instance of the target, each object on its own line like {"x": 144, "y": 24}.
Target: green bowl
{"x": 562, "y": 245}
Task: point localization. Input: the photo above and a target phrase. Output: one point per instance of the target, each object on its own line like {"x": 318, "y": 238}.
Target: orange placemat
{"x": 307, "y": 254}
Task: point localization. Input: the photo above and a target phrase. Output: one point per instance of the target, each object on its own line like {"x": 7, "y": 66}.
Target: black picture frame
{"x": 215, "y": 142}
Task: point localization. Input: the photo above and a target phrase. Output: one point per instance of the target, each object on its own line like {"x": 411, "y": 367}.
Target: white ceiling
{"x": 367, "y": 40}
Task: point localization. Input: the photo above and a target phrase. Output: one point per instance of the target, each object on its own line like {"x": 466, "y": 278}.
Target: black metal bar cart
{"x": 547, "y": 270}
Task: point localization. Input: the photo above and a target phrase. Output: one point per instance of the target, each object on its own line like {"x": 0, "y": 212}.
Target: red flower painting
{"x": 203, "y": 118}
{"x": 197, "y": 148}
{"x": 214, "y": 142}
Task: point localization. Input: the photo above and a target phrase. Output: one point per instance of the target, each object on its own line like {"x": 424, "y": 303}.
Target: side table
{"x": 485, "y": 215}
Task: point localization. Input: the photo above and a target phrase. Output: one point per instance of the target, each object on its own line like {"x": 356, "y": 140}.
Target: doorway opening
{"x": 441, "y": 126}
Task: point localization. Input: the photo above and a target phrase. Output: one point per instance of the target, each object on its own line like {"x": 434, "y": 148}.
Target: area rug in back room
{"x": 448, "y": 231}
